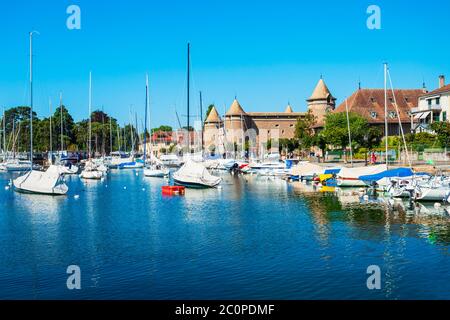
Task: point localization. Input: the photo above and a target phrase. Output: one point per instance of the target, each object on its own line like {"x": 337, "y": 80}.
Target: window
{"x": 406, "y": 99}
{"x": 291, "y": 126}
{"x": 444, "y": 116}
{"x": 429, "y": 102}
{"x": 372, "y": 99}
{"x": 392, "y": 114}
{"x": 373, "y": 114}
{"x": 436, "y": 117}
{"x": 438, "y": 101}
{"x": 277, "y": 126}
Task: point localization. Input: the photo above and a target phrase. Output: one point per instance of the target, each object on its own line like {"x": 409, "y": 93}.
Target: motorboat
{"x": 195, "y": 175}
{"x": 15, "y": 165}
{"x": 156, "y": 171}
{"x": 137, "y": 164}
{"x": 91, "y": 172}
{"x": 170, "y": 160}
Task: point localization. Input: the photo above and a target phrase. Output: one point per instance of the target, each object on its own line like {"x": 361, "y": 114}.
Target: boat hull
{"x": 194, "y": 185}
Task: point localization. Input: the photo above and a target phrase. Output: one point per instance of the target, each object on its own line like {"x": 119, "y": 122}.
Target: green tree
{"x": 442, "y": 130}
{"x": 335, "y": 131}
{"x": 304, "y": 131}
{"x": 164, "y": 128}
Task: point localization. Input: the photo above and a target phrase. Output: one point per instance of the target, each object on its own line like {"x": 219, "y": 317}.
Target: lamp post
{"x": 366, "y": 142}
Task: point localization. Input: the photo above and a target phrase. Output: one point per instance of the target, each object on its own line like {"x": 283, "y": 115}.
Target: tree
{"x": 442, "y": 130}
{"x": 321, "y": 142}
{"x": 162, "y": 128}
{"x": 372, "y": 139}
{"x": 304, "y": 131}
{"x": 335, "y": 131}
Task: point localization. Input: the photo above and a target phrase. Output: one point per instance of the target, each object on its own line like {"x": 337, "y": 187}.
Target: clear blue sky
{"x": 266, "y": 53}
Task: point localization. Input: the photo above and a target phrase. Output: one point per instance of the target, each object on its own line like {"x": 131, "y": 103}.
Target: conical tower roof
{"x": 213, "y": 115}
{"x": 235, "y": 109}
{"x": 321, "y": 92}
{"x": 289, "y": 109}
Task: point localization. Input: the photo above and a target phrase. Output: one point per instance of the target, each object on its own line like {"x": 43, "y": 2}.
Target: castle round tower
{"x": 212, "y": 129}
{"x": 321, "y": 101}
{"x": 235, "y": 123}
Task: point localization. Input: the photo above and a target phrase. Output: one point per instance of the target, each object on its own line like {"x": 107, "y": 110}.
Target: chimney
{"x": 441, "y": 81}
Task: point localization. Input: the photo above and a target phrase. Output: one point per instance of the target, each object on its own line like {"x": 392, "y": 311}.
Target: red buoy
{"x": 173, "y": 190}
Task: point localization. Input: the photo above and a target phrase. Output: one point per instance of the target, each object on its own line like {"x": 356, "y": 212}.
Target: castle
{"x": 253, "y": 130}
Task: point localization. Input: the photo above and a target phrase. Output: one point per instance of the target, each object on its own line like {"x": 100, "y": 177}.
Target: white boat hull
{"x": 41, "y": 183}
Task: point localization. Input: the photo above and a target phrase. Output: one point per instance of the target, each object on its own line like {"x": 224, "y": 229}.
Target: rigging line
{"x": 399, "y": 119}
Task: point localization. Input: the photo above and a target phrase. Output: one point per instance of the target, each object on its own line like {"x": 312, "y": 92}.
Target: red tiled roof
{"x": 367, "y": 101}
{"x": 437, "y": 91}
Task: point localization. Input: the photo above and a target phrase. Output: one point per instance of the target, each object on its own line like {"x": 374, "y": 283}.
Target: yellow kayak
{"x": 325, "y": 177}
{"x": 327, "y": 189}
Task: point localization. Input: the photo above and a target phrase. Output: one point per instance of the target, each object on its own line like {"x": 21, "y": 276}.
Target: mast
{"x": 188, "y": 92}
{"x": 145, "y": 122}
{"x": 51, "y": 141}
{"x": 4, "y": 135}
{"x": 137, "y": 140}
{"x": 119, "y": 141}
{"x": 31, "y": 100}
{"x": 201, "y": 119}
{"x": 90, "y": 117}
{"x": 110, "y": 136}
{"x": 62, "y": 123}
{"x": 349, "y": 133}
{"x": 386, "y": 134}
{"x": 103, "y": 134}
{"x": 14, "y": 136}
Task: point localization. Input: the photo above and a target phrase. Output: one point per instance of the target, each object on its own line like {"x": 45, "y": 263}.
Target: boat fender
{"x": 76, "y": 197}
{"x": 437, "y": 205}
{"x": 124, "y": 188}
{"x": 7, "y": 187}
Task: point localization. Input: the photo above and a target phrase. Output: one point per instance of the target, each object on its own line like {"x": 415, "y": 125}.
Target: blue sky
{"x": 265, "y": 53}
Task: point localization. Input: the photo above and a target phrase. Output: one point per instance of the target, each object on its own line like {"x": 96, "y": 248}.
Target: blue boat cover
{"x": 332, "y": 171}
{"x": 400, "y": 173}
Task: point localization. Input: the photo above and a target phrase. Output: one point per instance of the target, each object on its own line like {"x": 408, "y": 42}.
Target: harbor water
{"x": 254, "y": 238}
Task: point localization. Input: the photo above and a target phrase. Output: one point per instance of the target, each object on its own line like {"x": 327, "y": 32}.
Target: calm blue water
{"x": 255, "y": 239}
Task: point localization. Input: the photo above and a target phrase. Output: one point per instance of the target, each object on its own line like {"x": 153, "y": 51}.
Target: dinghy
{"x": 195, "y": 175}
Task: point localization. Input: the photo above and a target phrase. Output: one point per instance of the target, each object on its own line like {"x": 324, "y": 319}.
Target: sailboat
{"x": 90, "y": 171}
{"x": 49, "y": 182}
{"x": 65, "y": 165}
{"x": 131, "y": 162}
{"x": 194, "y": 175}
{"x": 156, "y": 168}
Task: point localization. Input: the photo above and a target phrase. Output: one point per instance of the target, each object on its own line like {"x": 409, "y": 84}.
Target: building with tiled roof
{"x": 433, "y": 106}
{"x": 370, "y": 103}
{"x": 239, "y": 126}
